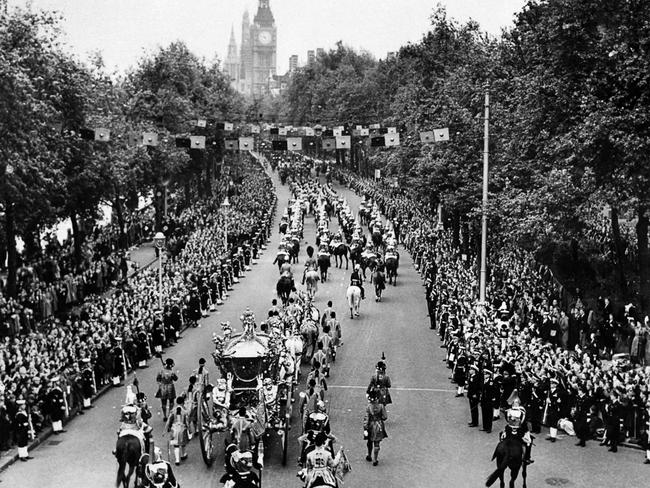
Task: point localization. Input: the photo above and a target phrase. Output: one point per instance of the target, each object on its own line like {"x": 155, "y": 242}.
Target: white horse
{"x": 295, "y": 345}
{"x": 354, "y": 298}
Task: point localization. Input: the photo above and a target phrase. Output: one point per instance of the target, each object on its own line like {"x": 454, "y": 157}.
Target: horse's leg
{"x": 346, "y": 260}
{"x": 120, "y": 473}
{"x": 127, "y": 479}
{"x": 514, "y": 472}
{"x": 524, "y": 473}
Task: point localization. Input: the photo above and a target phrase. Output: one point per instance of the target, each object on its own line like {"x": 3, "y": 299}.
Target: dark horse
{"x": 284, "y": 287}
{"x": 509, "y": 453}
{"x": 127, "y": 451}
{"x": 323, "y": 265}
{"x": 391, "y": 269}
{"x": 355, "y": 252}
{"x": 340, "y": 251}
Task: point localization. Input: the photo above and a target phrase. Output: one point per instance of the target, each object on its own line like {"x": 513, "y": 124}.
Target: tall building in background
{"x": 293, "y": 62}
{"x": 255, "y": 64}
{"x": 231, "y": 64}
{"x": 311, "y": 57}
{"x": 320, "y": 52}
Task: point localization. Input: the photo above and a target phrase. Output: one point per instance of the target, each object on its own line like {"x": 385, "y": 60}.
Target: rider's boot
{"x": 527, "y": 458}
{"x": 177, "y": 455}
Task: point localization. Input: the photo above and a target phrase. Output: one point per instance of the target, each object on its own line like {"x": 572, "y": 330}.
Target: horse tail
{"x": 502, "y": 464}
{"x": 120, "y": 472}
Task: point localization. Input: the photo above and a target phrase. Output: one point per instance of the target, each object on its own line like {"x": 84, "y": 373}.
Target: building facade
{"x": 255, "y": 65}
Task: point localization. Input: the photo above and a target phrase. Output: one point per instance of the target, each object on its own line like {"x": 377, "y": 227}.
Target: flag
{"x": 339, "y": 127}
{"x": 359, "y": 127}
{"x": 232, "y": 144}
{"x": 294, "y": 143}
{"x": 375, "y": 126}
{"x": 392, "y": 140}
{"x": 377, "y": 174}
{"x": 426, "y": 136}
{"x": 364, "y": 132}
{"x": 201, "y": 123}
{"x": 441, "y": 135}
{"x": 378, "y": 141}
{"x": 255, "y": 129}
{"x": 282, "y": 131}
{"x": 337, "y": 132}
{"x": 197, "y": 142}
{"x": 279, "y": 145}
{"x": 228, "y": 126}
{"x": 391, "y": 130}
{"x": 343, "y": 142}
{"x": 274, "y": 131}
{"x": 329, "y": 144}
{"x": 102, "y": 135}
{"x": 183, "y": 142}
{"x": 346, "y": 132}
{"x": 246, "y": 143}
{"x": 219, "y": 125}
{"x": 309, "y": 131}
{"x": 135, "y": 139}
{"x": 328, "y": 133}
{"x": 150, "y": 138}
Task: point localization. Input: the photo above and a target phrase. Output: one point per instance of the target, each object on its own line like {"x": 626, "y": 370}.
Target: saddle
{"x": 135, "y": 433}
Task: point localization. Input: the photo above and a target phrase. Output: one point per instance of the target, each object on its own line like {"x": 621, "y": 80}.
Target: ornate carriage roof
{"x": 246, "y": 346}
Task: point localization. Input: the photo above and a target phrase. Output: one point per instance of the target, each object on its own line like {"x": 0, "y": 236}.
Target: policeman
{"x": 489, "y": 395}
{"x": 22, "y": 430}
{"x": 88, "y": 387}
{"x": 56, "y": 405}
{"x": 119, "y": 366}
{"x": 474, "y": 394}
{"x": 517, "y": 427}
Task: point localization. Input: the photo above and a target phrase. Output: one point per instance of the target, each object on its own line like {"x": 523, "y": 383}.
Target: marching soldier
{"x": 55, "y": 402}
{"x": 88, "y": 386}
{"x": 142, "y": 346}
{"x": 553, "y": 409}
{"x": 474, "y": 394}
{"x": 23, "y": 431}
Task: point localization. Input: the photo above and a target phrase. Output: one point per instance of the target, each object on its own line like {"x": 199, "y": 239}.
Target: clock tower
{"x": 263, "y": 38}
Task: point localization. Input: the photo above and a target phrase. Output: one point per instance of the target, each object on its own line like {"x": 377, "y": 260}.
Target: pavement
{"x": 429, "y": 443}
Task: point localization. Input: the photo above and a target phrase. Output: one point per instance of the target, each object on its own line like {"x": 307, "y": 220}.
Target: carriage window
{"x": 246, "y": 369}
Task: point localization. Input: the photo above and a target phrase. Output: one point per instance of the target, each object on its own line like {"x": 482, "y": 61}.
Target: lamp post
{"x": 486, "y": 147}
{"x": 225, "y": 205}
{"x": 159, "y": 242}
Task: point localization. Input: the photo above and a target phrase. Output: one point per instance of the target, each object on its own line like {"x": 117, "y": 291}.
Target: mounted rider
{"x": 517, "y": 427}
{"x": 320, "y": 464}
{"x": 355, "y": 280}
{"x": 221, "y": 403}
{"x": 131, "y": 422}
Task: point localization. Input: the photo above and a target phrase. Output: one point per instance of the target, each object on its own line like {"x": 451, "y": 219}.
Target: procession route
{"x": 392, "y": 388}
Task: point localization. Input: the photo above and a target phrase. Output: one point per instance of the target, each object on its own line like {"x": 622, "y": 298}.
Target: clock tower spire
{"x": 263, "y": 35}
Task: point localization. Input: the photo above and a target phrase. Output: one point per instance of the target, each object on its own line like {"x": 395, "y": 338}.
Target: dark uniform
{"x": 119, "y": 368}
{"x": 553, "y": 410}
{"x": 474, "y": 394}
{"x": 87, "y": 384}
{"x": 21, "y": 430}
{"x": 56, "y": 407}
{"x": 489, "y": 400}
{"x": 581, "y": 413}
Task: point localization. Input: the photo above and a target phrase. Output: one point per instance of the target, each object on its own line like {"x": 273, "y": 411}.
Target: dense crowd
{"x": 117, "y": 331}
{"x": 575, "y": 365}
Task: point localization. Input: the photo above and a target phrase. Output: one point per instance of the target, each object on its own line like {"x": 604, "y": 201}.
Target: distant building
{"x": 311, "y": 57}
{"x": 320, "y": 52}
{"x": 256, "y": 62}
{"x": 293, "y": 62}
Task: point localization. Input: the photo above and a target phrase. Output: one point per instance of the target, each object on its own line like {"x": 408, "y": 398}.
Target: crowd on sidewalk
{"x": 577, "y": 366}
{"x": 79, "y": 350}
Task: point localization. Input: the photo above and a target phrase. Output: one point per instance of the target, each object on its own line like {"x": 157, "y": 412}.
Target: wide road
{"x": 429, "y": 442}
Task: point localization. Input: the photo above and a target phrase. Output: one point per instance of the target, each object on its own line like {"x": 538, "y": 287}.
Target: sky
{"x": 122, "y": 30}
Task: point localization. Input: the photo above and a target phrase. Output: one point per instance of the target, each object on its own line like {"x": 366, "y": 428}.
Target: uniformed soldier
{"x": 22, "y": 430}
{"x": 517, "y": 426}
{"x": 489, "y": 398}
{"x": 553, "y": 409}
{"x": 119, "y": 366}
{"x": 56, "y": 405}
{"x": 474, "y": 394}
{"x": 88, "y": 386}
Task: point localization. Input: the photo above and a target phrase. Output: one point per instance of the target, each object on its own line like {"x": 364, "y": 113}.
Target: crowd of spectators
{"x": 528, "y": 333}
{"x": 122, "y": 329}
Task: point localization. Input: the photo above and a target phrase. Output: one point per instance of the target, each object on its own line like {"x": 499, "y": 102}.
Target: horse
{"x": 295, "y": 346}
{"x": 294, "y": 250}
{"x": 379, "y": 279}
{"x": 391, "y": 269}
{"x": 340, "y": 251}
{"x": 127, "y": 451}
{"x": 284, "y": 287}
{"x": 354, "y": 298}
{"x": 323, "y": 265}
{"x": 309, "y": 334}
{"x": 509, "y": 453}
{"x": 311, "y": 278}
{"x": 281, "y": 258}
{"x": 377, "y": 239}
{"x": 368, "y": 262}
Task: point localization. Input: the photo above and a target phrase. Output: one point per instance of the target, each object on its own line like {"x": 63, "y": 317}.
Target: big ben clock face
{"x": 265, "y": 37}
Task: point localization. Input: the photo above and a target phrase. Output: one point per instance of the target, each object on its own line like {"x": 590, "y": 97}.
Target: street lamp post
{"x": 159, "y": 242}
{"x": 225, "y": 205}
{"x": 486, "y": 147}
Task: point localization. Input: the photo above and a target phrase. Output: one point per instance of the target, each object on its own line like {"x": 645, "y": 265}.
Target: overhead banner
{"x": 392, "y": 140}
{"x": 232, "y": 144}
{"x": 329, "y": 144}
{"x": 441, "y": 135}
{"x": 343, "y": 142}
{"x": 426, "y": 136}
{"x": 197, "y": 142}
{"x": 246, "y": 143}
{"x": 294, "y": 143}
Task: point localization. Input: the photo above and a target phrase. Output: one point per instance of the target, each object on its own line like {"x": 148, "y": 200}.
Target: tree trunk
{"x": 643, "y": 259}
{"x": 338, "y": 156}
{"x": 455, "y": 229}
{"x": 618, "y": 251}
{"x": 465, "y": 245}
{"x": 12, "y": 254}
{"x": 188, "y": 192}
{"x": 77, "y": 237}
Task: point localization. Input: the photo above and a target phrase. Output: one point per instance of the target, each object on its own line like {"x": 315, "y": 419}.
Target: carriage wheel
{"x": 205, "y": 433}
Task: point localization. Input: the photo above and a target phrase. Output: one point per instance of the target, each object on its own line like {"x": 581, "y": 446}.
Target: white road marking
{"x": 358, "y": 387}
